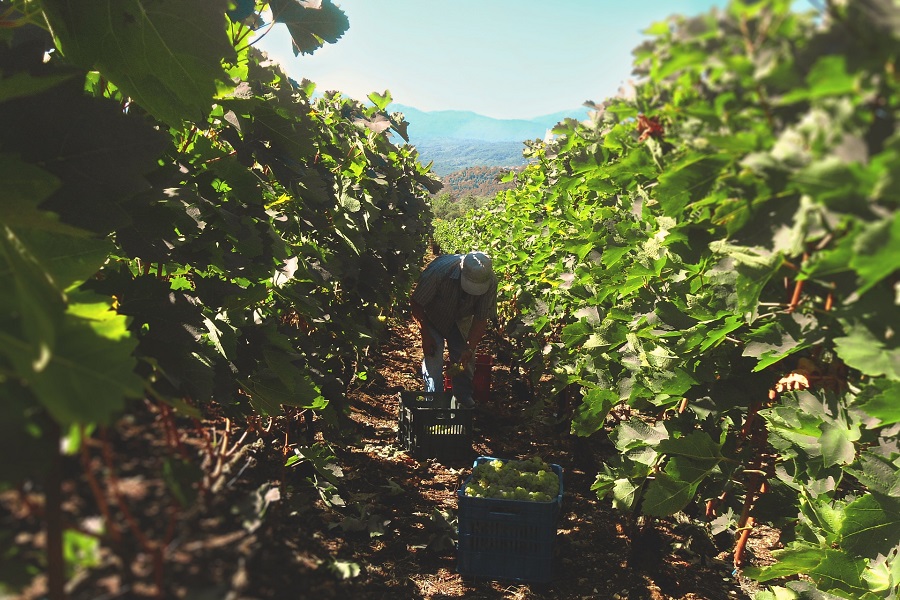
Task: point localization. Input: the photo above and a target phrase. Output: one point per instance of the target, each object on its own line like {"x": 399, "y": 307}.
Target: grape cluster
{"x": 531, "y": 479}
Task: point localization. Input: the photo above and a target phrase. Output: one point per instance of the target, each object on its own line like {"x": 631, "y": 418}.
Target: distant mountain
{"x": 467, "y": 125}
{"x": 449, "y": 155}
{"x": 457, "y": 139}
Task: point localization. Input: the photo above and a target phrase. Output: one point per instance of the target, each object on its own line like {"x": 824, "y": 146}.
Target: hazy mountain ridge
{"x": 468, "y": 125}
{"x": 456, "y": 139}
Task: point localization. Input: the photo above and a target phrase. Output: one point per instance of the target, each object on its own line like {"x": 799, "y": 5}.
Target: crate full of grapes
{"x": 433, "y": 425}
{"x": 508, "y": 510}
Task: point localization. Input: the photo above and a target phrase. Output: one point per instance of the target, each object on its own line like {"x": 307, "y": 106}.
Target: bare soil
{"x": 260, "y": 530}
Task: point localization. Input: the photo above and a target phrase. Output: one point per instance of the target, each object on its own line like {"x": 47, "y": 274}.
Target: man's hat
{"x": 476, "y": 273}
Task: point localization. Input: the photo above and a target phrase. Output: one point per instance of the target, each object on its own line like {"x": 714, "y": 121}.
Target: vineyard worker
{"x": 452, "y": 301}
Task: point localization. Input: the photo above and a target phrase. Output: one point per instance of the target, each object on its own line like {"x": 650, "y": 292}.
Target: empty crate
{"x": 431, "y": 425}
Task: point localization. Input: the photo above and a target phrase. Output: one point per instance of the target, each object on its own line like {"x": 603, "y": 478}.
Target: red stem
{"x": 53, "y": 521}
{"x": 114, "y": 532}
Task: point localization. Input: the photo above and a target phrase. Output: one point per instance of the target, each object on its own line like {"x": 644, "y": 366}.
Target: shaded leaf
{"x": 837, "y": 444}
{"x": 871, "y": 526}
{"x": 862, "y": 350}
{"x": 876, "y": 252}
{"x": 165, "y": 54}
{"x": 880, "y": 401}
{"x": 311, "y": 23}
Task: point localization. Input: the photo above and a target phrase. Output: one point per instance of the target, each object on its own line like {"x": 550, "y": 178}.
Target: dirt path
{"x": 591, "y": 545}
{"x": 265, "y": 531}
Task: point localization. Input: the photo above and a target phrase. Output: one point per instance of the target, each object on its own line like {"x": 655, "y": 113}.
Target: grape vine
{"x": 716, "y": 251}
{"x": 184, "y": 224}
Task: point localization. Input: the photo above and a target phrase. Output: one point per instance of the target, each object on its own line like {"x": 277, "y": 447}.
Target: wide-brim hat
{"x": 476, "y": 273}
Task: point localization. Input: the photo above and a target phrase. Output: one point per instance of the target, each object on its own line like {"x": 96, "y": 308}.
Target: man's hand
{"x": 466, "y": 357}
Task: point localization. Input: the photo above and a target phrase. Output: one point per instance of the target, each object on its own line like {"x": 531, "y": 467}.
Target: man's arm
{"x": 418, "y": 315}
{"x": 476, "y": 332}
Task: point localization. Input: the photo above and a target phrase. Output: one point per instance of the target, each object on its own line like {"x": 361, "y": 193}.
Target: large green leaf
{"x": 828, "y": 77}
{"x": 871, "y": 525}
{"x": 25, "y": 186}
{"x": 666, "y": 495}
{"x": 68, "y": 259}
{"x": 840, "y": 571}
{"x": 89, "y": 373}
{"x": 879, "y": 400}
{"x": 32, "y": 299}
{"x": 776, "y": 340}
{"x": 635, "y": 432}
{"x": 796, "y": 558}
{"x": 590, "y": 416}
{"x": 688, "y": 181}
{"x": 755, "y": 267}
{"x": 876, "y": 252}
{"x": 837, "y": 444}
{"x": 268, "y": 392}
{"x": 165, "y": 54}
{"x": 311, "y": 23}
{"x": 97, "y": 154}
{"x": 862, "y": 350}
{"x": 697, "y": 445}
{"x": 878, "y": 474}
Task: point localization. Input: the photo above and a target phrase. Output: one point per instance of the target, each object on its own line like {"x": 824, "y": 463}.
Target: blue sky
{"x": 500, "y": 58}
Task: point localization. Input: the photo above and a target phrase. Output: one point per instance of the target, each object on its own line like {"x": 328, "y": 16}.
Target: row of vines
{"x": 181, "y": 224}
{"x": 717, "y": 253}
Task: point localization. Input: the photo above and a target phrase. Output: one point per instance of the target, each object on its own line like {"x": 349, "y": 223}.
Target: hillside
{"x": 449, "y": 155}
{"x": 474, "y": 181}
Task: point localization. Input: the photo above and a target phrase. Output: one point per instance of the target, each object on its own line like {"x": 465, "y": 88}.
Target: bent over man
{"x": 452, "y": 302}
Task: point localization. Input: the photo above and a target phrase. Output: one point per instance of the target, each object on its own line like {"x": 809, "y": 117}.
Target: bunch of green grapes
{"x": 531, "y": 479}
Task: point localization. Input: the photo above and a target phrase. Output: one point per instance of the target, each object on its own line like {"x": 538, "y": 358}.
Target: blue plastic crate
{"x": 432, "y": 425}
{"x": 507, "y": 539}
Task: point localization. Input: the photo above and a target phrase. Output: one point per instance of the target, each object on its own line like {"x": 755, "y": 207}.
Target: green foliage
{"x": 645, "y": 256}
{"x": 182, "y": 221}
{"x": 447, "y": 208}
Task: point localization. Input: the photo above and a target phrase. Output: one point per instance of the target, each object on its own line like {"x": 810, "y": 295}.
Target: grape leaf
{"x": 878, "y": 474}
{"x": 871, "y": 525}
{"x": 862, "y": 350}
{"x": 89, "y": 373}
{"x": 876, "y": 252}
{"x": 311, "y": 23}
{"x": 97, "y": 154}
{"x": 840, "y": 571}
{"x": 880, "y": 401}
{"x": 666, "y": 495}
{"x": 165, "y": 54}
{"x": 798, "y": 557}
{"x": 837, "y": 444}
{"x": 590, "y": 416}
{"x": 268, "y": 392}
{"x": 697, "y": 445}
{"x": 687, "y": 181}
